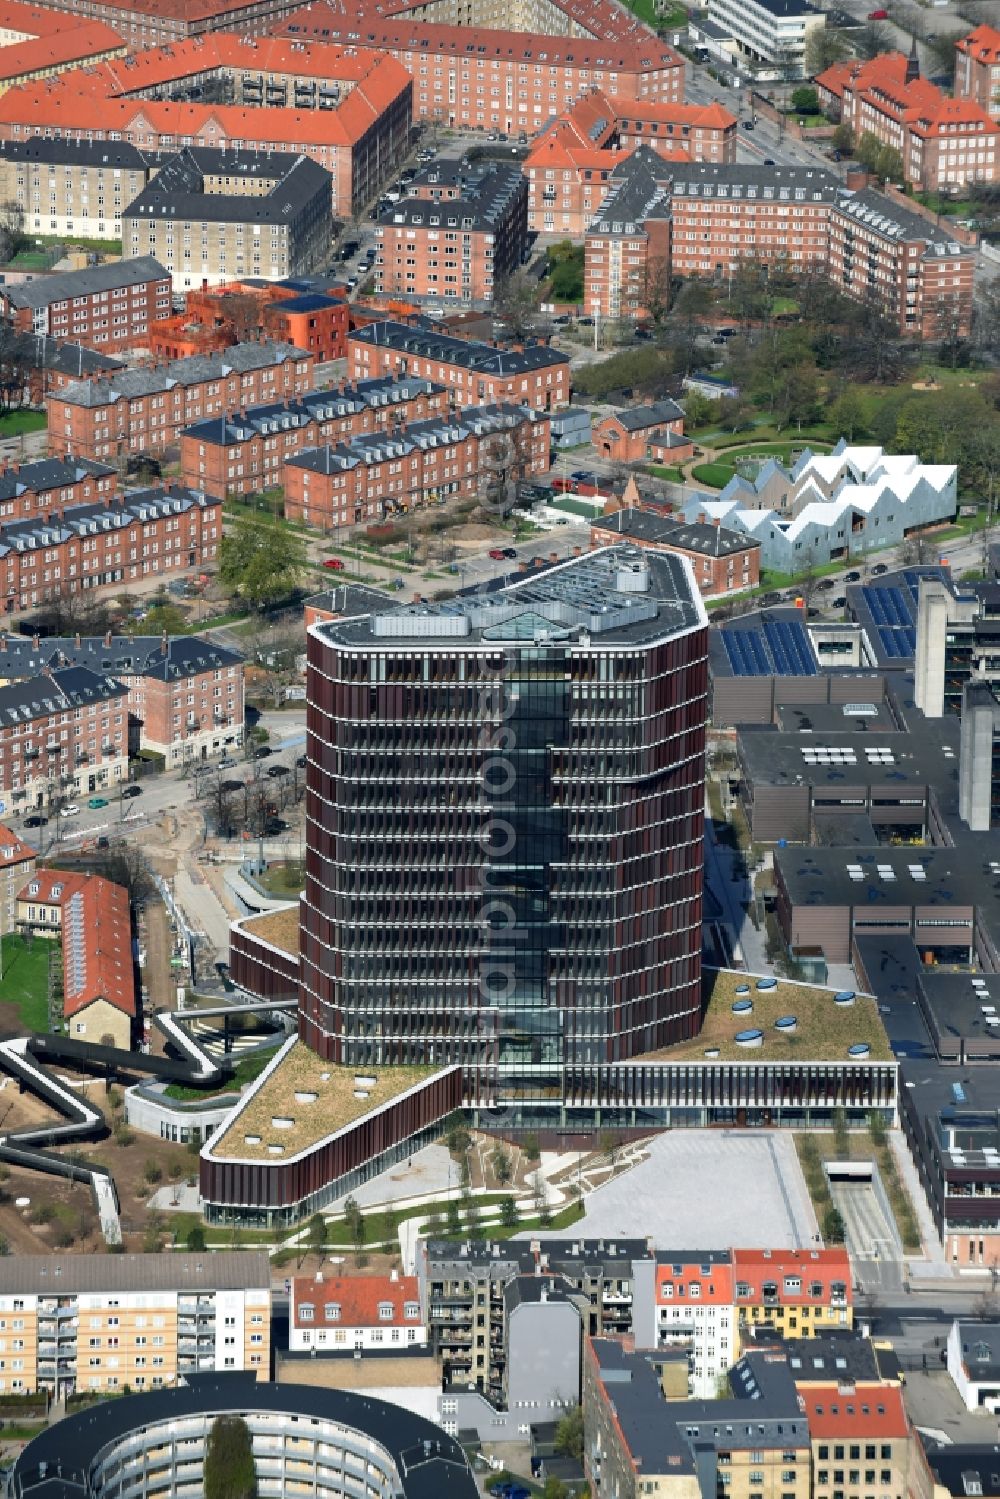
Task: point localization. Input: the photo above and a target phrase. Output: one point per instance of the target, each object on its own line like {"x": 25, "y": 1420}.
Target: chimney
{"x": 107, "y": 638}
{"x": 394, "y": 1274}
{"x": 35, "y": 642}
{"x": 76, "y": 639}
{"x": 702, "y": 518}
{"x": 164, "y": 644}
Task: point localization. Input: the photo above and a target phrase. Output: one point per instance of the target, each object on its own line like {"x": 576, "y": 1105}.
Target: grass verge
{"x": 25, "y": 980}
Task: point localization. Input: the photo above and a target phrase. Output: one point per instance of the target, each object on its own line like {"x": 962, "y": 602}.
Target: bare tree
{"x": 515, "y": 301}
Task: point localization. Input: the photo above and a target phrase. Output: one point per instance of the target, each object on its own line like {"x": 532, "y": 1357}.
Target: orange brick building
{"x": 943, "y": 143}
{"x": 458, "y": 235}
{"x": 571, "y": 166}
{"x": 627, "y": 436}
{"x": 349, "y": 109}
{"x": 366, "y": 479}
{"x": 246, "y": 452}
{"x": 722, "y": 561}
{"x": 977, "y": 69}
{"x": 478, "y": 77}
{"x": 144, "y": 410}
{"x": 103, "y": 307}
{"x": 309, "y": 312}
{"x": 478, "y": 373}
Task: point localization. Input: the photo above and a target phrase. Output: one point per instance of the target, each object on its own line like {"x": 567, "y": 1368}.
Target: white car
{"x": 72, "y": 810}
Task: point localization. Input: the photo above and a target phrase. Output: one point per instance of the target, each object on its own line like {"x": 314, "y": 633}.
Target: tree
{"x": 805, "y": 100}
{"x": 656, "y": 289}
{"x": 843, "y": 138}
{"x": 569, "y": 1434}
{"x": 164, "y": 617}
{"x": 454, "y": 1219}
{"x": 872, "y": 40}
{"x": 952, "y": 329}
{"x": 196, "y": 1238}
{"x": 515, "y": 302}
{"x": 555, "y": 1488}
{"x": 825, "y": 45}
{"x": 500, "y": 1161}
{"x": 508, "y": 1212}
{"x": 261, "y": 563}
{"x": 841, "y": 1138}
{"x": 355, "y": 1221}
{"x": 12, "y": 235}
{"x": 699, "y": 410}
{"x": 243, "y": 311}
{"x": 229, "y": 1467}
{"x": 849, "y": 413}
{"x": 834, "y": 1229}
{"x": 531, "y": 1149}
{"x": 316, "y": 1233}
{"x": 457, "y": 1137}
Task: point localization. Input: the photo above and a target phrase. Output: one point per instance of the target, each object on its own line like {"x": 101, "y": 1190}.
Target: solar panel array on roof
{"x": 894, "y": 613}
{"x": 778, "y": 648}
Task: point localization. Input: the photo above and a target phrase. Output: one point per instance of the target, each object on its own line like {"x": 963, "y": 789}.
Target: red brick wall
{"x": 546, "y": 390}
{"x": 106, "y": 321}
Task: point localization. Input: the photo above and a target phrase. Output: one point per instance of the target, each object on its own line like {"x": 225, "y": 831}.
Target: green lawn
{"x": 247, "y": 1071}
{"x": 13, "y": 423}
{"x": 25, "y": 981}
{"x": 660, "y": 472}
{"x": 715, "y": 475}
{"x": 78, "y": 242}
{"x": 283, "y": 880}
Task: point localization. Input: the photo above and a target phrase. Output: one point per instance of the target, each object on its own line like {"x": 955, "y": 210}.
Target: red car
{"x": 496, "y": 553}
{"x": 334, "y": 563}
{"x": 878, "y": 15}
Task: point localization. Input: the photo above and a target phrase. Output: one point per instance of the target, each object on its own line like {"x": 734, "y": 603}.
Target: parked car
{"x": 334, "y": 564}
{"x": 70, "y": 810}
{"x": 130, "y": 791}
{"x": 510, "y": 554}
{"x": 748, "y": 124}
{"x": 274, "y": 826}
{"x": 879, "y": 569}
{"x": 878, "y": 15}
{"x": 262, "y": 752}
{"x": 840, "y": 602}
{"x": 97, "y": 801}
{"x": 274, "y": 771}
{"x": 301, "y": 761}
{"x": 36, "y": 820}
{"x": 496, "y": 554}
{"x": 853, "y": 578}
{"x": 825, "y": 583}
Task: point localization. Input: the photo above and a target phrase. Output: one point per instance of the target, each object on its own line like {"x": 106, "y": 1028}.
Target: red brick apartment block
{"x": 534, "y": 376}
{"x": 144, "y": 410}
{"x": 489, "y": 79}
{"x": 142, "y": 534}
{"x": 62, "y": 730}
{"x": 367, "y": 479}
{"x": 246, "y": 452}
{"x": 104, "y": 307}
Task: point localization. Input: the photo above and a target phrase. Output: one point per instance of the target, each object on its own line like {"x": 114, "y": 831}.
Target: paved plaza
{"x": 707, "y": 1189}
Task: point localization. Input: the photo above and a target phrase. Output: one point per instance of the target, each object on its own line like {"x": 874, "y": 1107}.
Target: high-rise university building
{"x": 505, "y": 822}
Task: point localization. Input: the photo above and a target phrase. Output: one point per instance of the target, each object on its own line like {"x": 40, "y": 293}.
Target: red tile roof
{"x": 946, "y": 118}
{"x": 13, "y": 850}
{"x": 97, "y": 947}
{"x": 52, "y": 887}
{"x": 75, "y": 44}
{"x": 822, "y": 1267}
{"x": 366, "y": 29}
{"x": 888, "y": 67}
{"x": 359, "y": 1298}
{"x": 866, "y": 1411}
{"x": 983, "y": 44}
{"x": 714, "y": 1288}
{"x": 93, "y": 101}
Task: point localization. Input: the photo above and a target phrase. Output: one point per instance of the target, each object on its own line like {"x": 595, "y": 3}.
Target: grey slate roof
{"x": 316, "y": 405}
{"x": 484, "y": 199}
{"x": 193, "y": 370}
{"x": 434, "y": 431}
{"x": 40, "y": 351}
{"x": 47, "y": 473}
{"x": 483, "y": 358}
{"x": 87, "y": 520}
{"x": 66, "y": 1274}
{"x": 735, "y": 179}
{"x": 636, "y": 418}
{"x": 178, "y": 189}
{"x": 641, "y": 192}
{"x": 690, "y": 536}
{"x": 57, "y": 692}
{"x": 117, "y": 656}
{"x": 45, "y": 290}
{"x": 59, "y": 152}
{"x": 875, "y": 211}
